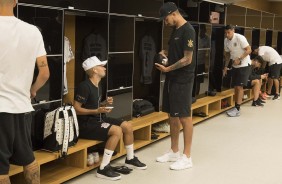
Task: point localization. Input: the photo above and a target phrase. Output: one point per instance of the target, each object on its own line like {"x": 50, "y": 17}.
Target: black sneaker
{"x": 257, "y": 103}
{"x": 276, "y": 96}
{"x": 261, "y": 101}
{"x": 135, "y": 163}
{"x": 107, "y": 173}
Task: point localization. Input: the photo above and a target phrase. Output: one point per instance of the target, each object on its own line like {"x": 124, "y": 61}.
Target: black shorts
{"x": 274, "y": 71}
{"x": 92, "y": 128}
{"x": 240, "y": 76}
{"x": 177, "y": 98}
{"x": 15, "y": 141}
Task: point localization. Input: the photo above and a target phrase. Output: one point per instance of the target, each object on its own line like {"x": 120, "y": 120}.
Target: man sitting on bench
{"x": 93, "y": 123}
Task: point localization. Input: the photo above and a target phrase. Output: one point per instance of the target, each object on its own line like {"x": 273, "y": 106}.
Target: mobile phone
{"x": 108, "y": 107}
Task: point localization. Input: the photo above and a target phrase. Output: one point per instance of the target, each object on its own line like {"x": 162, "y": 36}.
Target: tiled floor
{"x": 240, "y": 150}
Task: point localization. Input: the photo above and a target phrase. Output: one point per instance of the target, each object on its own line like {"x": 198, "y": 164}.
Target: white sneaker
{"x": 162, "y": 127}
{"x": 182, "y": 163}
{"x": 233, "y": 112}
{"x": 245, "y": 97}
{"x": 169, "y": 157}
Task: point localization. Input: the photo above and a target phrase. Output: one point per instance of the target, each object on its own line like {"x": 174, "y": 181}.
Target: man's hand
{"x": 162, "y": 68}
{"x": 237, "y": 61}
{"x": 224, "y": 72}
{"x": 110, "y": 100}
{"x": 103, "y": 110}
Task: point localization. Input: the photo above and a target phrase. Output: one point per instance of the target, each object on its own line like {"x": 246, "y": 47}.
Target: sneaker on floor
{"x": 107, "y": 173}
{"x": 262, "y": 96}
{"x": 230, "y": 110}
{"x": 261, "y": 101}
{"x": 257, "y": 103}
{"x": 182, "y": 163}
{"x": 135, "y": 163}
{"x": 276, "y": 97}
{"x": 233, "y": 112}
{"x": 169, "y": 157}
{"x": 268, "y": 95}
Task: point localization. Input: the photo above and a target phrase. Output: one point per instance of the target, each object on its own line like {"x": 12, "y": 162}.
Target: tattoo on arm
{"x": 42, "y": 64}
{"x": 186, "y": 60}
{"x": 227, "y": 58}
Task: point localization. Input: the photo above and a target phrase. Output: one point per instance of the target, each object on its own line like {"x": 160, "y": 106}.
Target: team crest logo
{"x": 190, "y": 43}
{"x": 235, "y": 44}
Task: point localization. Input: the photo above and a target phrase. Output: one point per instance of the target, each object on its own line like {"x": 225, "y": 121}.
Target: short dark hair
{"x": 259, "y": 59}
{"x": 230, "y": 26}
{"x": 254, "y": 47}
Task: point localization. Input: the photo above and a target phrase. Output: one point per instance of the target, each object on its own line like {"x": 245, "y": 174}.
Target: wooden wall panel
{"x": 263, "y": 5}
{"x": 276, "y": 7}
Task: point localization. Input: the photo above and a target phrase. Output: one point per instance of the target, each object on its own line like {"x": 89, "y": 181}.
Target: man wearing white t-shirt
{"x": 21, "y": 44}
{"x": 274, "y": 61}
{"x": 237, "y": 50}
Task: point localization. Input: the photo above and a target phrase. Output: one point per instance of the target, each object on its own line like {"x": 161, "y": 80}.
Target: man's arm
{"x": 42, "y": 77}
{"x": 227, "y": 58}
{"x": 247, "y": 52}
{"x": 83, "y": 111}
{"x": 186, "y": 60}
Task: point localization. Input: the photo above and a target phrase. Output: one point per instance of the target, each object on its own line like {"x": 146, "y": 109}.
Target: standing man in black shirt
{"x": 177, "y": 94}
{"x": 93, "y": 123}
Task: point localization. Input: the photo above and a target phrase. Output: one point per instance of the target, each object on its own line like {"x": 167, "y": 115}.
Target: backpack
{"x": 60, "y": 130}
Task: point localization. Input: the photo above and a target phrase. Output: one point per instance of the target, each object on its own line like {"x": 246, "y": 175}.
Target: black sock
{"x": 237, "y": 106}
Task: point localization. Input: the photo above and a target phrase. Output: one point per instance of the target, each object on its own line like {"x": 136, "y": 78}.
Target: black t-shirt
{"x": 182, "y": 39}
{"x": 89, "y": 95}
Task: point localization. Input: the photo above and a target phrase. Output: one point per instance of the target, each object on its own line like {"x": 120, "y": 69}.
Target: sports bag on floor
{"x": 60, "y": 130}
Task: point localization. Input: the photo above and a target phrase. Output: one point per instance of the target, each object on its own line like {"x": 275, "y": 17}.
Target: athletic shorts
{"x": 92, "y": 128}
{"x": 177, "y": 98}
{"x": 240, "y": 76}
{"x": 274, "y": 71}
{"x": 15, "y": 141}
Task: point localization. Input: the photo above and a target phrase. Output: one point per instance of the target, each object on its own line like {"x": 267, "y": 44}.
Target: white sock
{"x": 129, "y": 152}
{"x": 106, "y": 158}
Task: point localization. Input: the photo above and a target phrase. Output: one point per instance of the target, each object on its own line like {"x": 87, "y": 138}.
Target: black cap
{"x": 166, "y": 9}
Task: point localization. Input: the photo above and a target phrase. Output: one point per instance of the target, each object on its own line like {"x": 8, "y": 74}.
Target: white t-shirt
{"x": 269, "y": 55}
{"x": 236, "y": 48}
{"x": 20, "y": 45}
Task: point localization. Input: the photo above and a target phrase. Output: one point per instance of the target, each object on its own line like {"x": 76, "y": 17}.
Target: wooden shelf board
{"x": 161, "y": 136}
{"x": 56, "y": 173}
{"x": 43, "y": 157}
{"x": 14, "y": 169}
{"x": 147, "y": 120}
